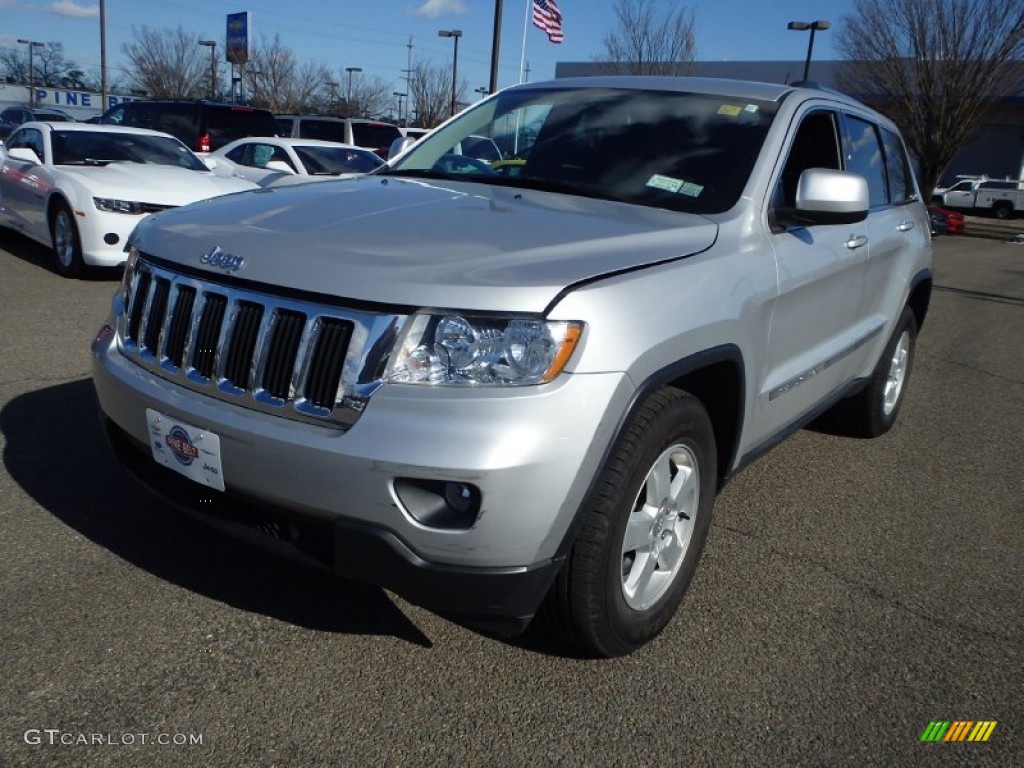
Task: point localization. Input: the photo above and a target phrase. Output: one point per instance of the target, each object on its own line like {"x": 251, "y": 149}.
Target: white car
{"x": 82, "y": 188}
{"x": 282, "y": 161}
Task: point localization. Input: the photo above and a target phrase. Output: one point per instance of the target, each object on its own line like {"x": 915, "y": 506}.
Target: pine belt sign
{"x": 78, "y": 104}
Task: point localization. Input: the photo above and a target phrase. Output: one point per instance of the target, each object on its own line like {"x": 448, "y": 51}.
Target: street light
{"x": 482, "y": 90}
{"x": 803, "y": 26}
{"x": 31, "y": 85}
{"x": 212, "y": 45}
{"x": 400, "y": 96}
{"x": 350, "y": 70}
{"x": 455, "y": 33}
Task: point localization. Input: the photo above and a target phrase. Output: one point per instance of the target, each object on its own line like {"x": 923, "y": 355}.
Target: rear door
{"x": 897, "y": 227}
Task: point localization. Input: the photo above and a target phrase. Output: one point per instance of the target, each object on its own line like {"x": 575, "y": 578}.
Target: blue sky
{"x": 373, "y": 34}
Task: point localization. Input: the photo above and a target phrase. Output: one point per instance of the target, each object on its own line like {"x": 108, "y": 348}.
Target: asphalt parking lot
{"x": 851, "y": 592}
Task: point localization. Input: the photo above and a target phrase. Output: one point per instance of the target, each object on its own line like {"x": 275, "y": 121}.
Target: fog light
{"x": 439, "y": 504}
{"x": 111, "y": 238}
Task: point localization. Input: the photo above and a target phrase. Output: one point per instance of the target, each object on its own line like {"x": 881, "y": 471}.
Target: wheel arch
{"x": 920, "y": 295}
{"x": 716, "y": 377}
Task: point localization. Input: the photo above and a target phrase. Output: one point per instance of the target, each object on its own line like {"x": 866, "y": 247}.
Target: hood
{"x": 425, "y": 244}
{"x": 159, "y": 184}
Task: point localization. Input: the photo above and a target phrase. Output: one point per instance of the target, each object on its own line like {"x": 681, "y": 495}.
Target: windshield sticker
{"x": 751, "y": 108}
{"x": 729, "y": 109}
{"x": 666, "y": 183}
{"x": 691, "y": 190}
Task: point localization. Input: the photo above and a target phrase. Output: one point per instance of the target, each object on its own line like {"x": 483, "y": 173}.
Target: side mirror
{"x": 398, "y": 146}
{"x": 825, "y": 196}
{"x": 24, "y": 154}
{"x": 280, "y": 166}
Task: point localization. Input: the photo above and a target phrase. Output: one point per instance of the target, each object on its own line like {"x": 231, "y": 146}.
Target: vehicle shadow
{"x": 31, "y": 252}
{"x": 56, "y": 451}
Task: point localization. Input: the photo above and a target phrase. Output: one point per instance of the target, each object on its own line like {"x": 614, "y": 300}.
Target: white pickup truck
{"x": 1003, "y": 197}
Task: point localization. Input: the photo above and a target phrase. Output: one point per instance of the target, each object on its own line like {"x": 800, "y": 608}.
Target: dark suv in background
{"x": 12, "y": 117}
{"x": 204, "y": 126}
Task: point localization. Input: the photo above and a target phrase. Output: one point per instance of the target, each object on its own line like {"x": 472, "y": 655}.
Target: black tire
{"x": 67, "y": 245}
{"x": 598, "y": 601}
{"x": 1002, "y": 210}
{"x": 873, "y": 411}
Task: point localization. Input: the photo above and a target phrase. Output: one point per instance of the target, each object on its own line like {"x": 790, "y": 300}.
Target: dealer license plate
{"x": 188, "y": 450}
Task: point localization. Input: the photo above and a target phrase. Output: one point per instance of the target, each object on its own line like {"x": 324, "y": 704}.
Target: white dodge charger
{"x": 82, "y": 188}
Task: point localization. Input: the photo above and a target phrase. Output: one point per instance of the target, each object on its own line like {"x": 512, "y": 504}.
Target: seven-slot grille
{"x": 271, "y": 353}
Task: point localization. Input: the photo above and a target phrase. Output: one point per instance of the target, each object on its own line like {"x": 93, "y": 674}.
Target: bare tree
{"x": 167, "y": 63}
{"x": 370, "y": 96}
{"x": 647, "y": 41}
{"x": 49, "y": 65}
{"x": 935, "y": 67}
{"x": 430, "y": 93}
{"x": 274, "y": 79}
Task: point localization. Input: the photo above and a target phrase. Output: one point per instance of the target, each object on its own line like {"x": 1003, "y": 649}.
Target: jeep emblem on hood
{"x": 226, "y": 261}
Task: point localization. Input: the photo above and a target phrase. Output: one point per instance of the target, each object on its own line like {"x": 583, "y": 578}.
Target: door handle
{"x": 905, "y": 226}
{"x": 856, "y": 241}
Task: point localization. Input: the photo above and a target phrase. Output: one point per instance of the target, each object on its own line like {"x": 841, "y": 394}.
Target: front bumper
{"x": 531, "y": 451}
{"x": 95, "y": 225}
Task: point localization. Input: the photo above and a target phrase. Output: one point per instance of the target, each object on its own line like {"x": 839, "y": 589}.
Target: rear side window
{"x": 864, "y": 156}
{"x": 324, "y": 130}
{"x": 374, "y": 135}
{"x": 225, "y": 124}
{"x": 897, "y": 169}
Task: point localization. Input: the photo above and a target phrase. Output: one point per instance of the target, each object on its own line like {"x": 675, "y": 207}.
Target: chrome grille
{"x": 299, "y": 359}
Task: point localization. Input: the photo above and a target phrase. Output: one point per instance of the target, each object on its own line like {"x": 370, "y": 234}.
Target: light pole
{"x": 212, "y": 44}
{"x": 455, "y": 33}
{"x": 31, "y": 83}
{"x": 803, "y": 26}
{"x": 482, "y": 90}
{"x": 348, "y": 94}
{"x": 400, "y": 96}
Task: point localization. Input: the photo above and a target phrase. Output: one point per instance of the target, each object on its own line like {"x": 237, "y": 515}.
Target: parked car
{"x": 492, "y": 393}
{"x": 358, "y": 132}
{"x": 204, "y": 126}
{"x": 951, "y": 221}
{"x": 12, "y": 117}
{"x": 277, "y": 161}
{"x": 82, "y": 188}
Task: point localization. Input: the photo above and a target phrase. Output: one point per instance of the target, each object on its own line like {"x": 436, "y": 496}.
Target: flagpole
{"x": 522, "y": 55}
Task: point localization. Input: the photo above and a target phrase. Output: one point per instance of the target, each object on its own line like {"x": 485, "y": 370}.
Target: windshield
{"x": 374, "y": 134}
{"x": 102, "y": 147}
{"x": 665, "y": 149}
{"x": 331, "y": 161}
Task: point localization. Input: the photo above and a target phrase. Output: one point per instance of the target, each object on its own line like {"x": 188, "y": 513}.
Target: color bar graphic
{"x": 958, "y": 730}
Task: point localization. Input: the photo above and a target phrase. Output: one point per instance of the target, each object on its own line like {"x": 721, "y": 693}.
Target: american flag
{"x": 547, "y": 17}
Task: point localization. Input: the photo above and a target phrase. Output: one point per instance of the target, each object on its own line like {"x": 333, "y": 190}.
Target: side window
{"x": 864, "y": 156}
{"x": 816, "y": 145}
{"x": 27, "y": 138}
{"x": 897, "y": 169}
{"x": 237, "y": 154}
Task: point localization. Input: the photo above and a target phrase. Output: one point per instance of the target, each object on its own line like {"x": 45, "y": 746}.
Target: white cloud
{"x": 433, "y": 8}
{"x": 71, "y": 8}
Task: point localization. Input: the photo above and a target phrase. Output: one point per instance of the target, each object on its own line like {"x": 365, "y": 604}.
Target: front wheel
{"x": 643, "y": 530}
{"x": 67, "y": 245}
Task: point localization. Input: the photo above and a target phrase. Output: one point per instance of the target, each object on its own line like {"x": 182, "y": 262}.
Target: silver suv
{"x": 498, "y": 394}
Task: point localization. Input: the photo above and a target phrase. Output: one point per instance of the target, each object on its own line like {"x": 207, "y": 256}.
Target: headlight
{"x": 110, "y": 205}
{"x": 469, "y": 351}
